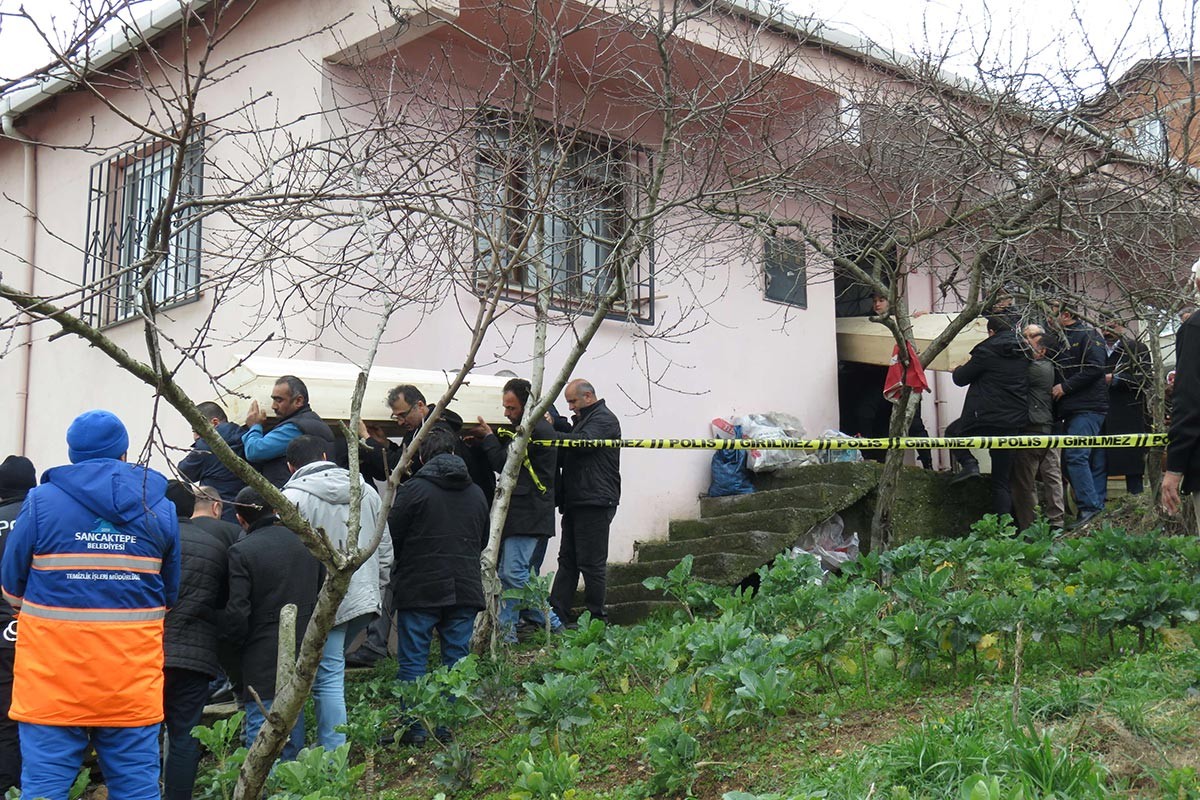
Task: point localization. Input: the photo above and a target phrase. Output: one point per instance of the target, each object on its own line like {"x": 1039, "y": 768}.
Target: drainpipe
{"x": 24, "y": 276}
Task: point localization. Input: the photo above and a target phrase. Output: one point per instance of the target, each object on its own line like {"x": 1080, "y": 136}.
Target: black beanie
{"x": 17, "y": 475}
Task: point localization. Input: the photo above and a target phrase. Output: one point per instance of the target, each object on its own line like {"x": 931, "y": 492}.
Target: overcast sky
{"x": 1045, "y": 33}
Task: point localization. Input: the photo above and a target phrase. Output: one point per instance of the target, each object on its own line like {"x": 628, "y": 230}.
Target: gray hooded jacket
{"x": 321, "y": 491}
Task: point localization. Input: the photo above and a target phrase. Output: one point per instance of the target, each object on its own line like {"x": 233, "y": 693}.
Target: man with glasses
{"x": 379, "y": 456}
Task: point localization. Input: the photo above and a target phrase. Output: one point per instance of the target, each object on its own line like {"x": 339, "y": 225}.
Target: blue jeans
{"x": 516, "y": 560}
{"x": 1077, "y": 461}
{"x": 414, "y": 634}
{"x": 255, "y": 720}
{"x": 329, "y": 685}
{"x": 1099, "y": 465}
{"x": 52, "y": 756}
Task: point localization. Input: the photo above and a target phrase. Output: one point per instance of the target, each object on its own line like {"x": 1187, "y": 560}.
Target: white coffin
{"x": 859, "y": 339}
{"x": 331, "y": 386}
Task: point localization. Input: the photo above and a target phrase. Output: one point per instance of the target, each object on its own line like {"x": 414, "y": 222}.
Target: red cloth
{"x": 899, "y": 376}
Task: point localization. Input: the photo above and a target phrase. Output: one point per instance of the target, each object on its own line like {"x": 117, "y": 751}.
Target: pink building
{"x": 721, "y": 322}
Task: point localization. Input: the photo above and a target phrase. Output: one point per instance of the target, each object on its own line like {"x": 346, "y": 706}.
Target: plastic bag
{"x": 832, "y": 456}
{"x": 830, "y": 543}
{"x": 775, "y": 425}
{"x": 729, "y": 467}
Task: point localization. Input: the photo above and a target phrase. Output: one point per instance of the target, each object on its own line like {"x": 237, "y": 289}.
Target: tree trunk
{"x": 889, "y": 478}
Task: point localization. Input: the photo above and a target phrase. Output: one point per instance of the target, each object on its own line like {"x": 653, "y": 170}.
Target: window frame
{"x": 120, "y": 209}
{"x": 773, "y": 244}
{"x": 848, "y": 229}
{"x": 509, "y": 185}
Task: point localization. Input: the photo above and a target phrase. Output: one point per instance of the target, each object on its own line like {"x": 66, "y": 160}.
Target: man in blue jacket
{"x": 91, "y": 568}
{"x": 267, "y": 450}
{"x": 202, "y": 467}
{"x": 17, "y": 477}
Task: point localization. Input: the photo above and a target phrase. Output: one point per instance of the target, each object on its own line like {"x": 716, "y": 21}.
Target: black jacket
{"x": 268, "y": 569}
{"x": 190, "y": 636}
{"x": 228, "y": 534}
{"x": 1183, "y": 450}
{"x": 1080, "y": 365}
{"x": 10, "y": 509}
{"x": 378, "y": 459}
{"x": 998, "y": 376}
{"x": 1129, "y": 365}
{"x": 531, "y": 510}
{"x": 275, "y": 469}
{"x": 591, "y": 477}
{"x": 202, "y": 467}
{"x": 439, "y": 525}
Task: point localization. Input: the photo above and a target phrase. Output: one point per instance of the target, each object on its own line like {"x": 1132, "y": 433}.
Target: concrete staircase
{"x": 734, "y": 536}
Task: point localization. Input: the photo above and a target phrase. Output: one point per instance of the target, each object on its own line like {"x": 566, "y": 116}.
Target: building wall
{"x": 718, "y": 348}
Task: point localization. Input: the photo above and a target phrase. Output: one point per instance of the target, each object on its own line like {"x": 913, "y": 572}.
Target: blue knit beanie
{"x": 96, "y": 434}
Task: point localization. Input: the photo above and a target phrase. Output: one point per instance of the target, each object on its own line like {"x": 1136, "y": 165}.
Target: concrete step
{"x": 723, "y": 569}
{"x": 767, "y": 544}
{"x": 778, "y": 520}
{"x": 637, "y": 610}
{"x": 626, "y": 593}
{"x": 863, "y": 474}
{"x": 813, "y": 495}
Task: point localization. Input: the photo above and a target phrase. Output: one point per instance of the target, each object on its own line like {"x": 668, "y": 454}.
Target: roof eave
{"x": 131, "y": 36}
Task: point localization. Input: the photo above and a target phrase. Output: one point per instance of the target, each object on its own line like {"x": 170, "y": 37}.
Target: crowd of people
{"x": 139, "y": 596}
{"x": 1064, "y": 376}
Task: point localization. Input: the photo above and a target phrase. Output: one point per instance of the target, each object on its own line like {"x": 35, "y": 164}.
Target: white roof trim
{"x": 116, "y": 46}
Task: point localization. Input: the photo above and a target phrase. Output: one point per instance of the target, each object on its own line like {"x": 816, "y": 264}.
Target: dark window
{"x": 556, "y": 201}
{"x": 783, "y": 269}
{"x": 861, "y": 243}
{"x": 125, "y": 195}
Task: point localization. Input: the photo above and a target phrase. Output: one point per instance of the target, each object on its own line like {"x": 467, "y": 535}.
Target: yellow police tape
{"x": 1018, "y": 442}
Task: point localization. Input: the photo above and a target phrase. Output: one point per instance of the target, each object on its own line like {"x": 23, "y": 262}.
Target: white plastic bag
{"x": 830, "y": 543}
{"x": 832, "y": 456}
{"x": 775, "y": 425}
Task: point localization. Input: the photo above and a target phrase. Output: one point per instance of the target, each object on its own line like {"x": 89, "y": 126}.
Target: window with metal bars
{"x": 557, "y": 203}
{"x": 125, "y": 196}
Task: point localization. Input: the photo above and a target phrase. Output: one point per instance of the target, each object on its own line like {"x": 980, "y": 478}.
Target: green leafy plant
{"x": 222, "y": 739}
{"x": 548, "y": 776}
{"x": 671, "y": 755}
{"x": 692, "y": 594}
{"x": 535, "y": 595}
{"x": 980, "y": 787}
{"x": 557, "y": 705}
{"x": 317, "y": 774}
{"x": 456, "y": 767}
{"x": 364, "y": 722}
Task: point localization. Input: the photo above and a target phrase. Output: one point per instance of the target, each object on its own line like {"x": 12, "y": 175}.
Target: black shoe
{"x": 412, "y": 736}
{"x": 443, "y": 734}
{"x": 360, "y": 660}
{"x": 1084, "y": 518}
{"x": 966, "y": 472}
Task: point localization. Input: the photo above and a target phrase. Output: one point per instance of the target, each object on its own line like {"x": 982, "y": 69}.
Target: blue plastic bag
{"x": 729, "y": 472}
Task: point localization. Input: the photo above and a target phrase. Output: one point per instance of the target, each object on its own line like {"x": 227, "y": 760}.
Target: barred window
{"x": 125, "y": 195}
{"x": 559, "y": 202}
